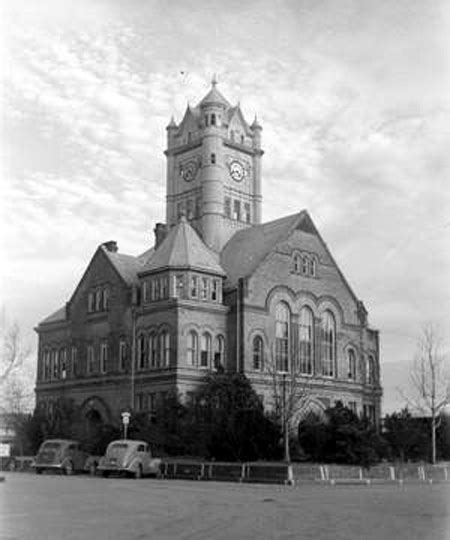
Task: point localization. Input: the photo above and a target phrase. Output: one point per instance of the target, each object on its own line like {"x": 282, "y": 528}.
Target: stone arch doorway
{"x": 96, "y": 417}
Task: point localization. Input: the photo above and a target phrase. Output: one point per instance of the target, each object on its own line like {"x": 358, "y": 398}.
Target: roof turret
{"x": 183, "y": 248}
{"x": 214, "y": 97}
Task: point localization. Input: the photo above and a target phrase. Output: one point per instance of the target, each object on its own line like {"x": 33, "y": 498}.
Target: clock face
{"x": 188, "y": 171}
{"x": 237, "y": 171}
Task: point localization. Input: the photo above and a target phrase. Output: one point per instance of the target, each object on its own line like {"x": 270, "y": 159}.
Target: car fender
{"x": 155, "y": 464}
{"x": 133, "y": 465}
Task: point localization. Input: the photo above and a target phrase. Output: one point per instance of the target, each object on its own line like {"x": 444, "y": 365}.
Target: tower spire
{"x": 214, "y": 81}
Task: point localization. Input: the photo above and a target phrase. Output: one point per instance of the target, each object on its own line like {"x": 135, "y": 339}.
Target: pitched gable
{"x": 247, "y": 250}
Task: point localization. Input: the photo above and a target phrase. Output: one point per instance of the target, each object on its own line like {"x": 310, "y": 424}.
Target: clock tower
{"x": 214, "y": 169}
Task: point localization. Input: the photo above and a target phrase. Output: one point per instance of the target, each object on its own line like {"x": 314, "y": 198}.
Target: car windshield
{"x": 51, "y": 446}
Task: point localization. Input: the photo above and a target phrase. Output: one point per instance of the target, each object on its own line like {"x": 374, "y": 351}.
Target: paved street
{"x": 77, "y": 508}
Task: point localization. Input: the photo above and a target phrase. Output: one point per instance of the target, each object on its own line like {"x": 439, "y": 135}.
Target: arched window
{"x": 205, "y": 350}
{"x": 328, "y": 339}
{"x": 213, "y": 159}
{"x": 153, "y": 350}
{"x": 192, "y": 348}
{"x": 312, "y": 267}
{"x": 351, "y": 364}
{"x": 164, "y": 348}
{"x": 55, "y": 364}
{"x": 370, "y": 366}
{"x": 297, "y": 263}
{"x": 258, "y": 353}
{"x": 98, "y": 299}
{"x": 213, "y": 119}
{"x": 105, "y": 299}
{"x": 219, "y": 348}
{"x": 305, "y": 259}
{"x": 306, "y": 341}
{"x": 282, "y": 316}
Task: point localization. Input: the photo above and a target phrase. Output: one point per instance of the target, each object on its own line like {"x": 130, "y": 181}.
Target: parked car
{"x": 60, "y": 454}
{"x": 130, "y": 457}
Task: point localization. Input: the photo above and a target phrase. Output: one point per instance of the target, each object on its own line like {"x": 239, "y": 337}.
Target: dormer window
{"x": 213, "y": 119}
{"x": 242, "y": 139}
{"x": 213, "y": 159}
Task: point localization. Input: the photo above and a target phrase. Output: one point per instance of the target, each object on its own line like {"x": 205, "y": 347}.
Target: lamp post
{"x": 125, "y": 421}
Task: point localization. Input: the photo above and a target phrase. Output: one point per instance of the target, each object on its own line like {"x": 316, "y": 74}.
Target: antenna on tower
{"x": 214, "y": 80}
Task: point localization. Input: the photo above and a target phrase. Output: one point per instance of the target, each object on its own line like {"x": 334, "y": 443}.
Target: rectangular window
{"x": 55, "y": 365}
{"x": 352, "y": 406}
{"x": 63, "y": 363}
{"x": 163, "y": 287}
{"x": 194, "y": 286}
{"x": 227, "y": 207}
{"x": 180, "y": 209}
{"x": 91, "y": 302}
{"x": 141, "y": 360}
{"x": 103, "y": 357}
{"x": 145, "y": 292}
{"x": 90, "y": 364}
{"x": 204, "y": 286}
{"x": 237, "y": 210}
{"x": 151, "y": 403}
{"x": 98, "y": 299}
{"x": 178, "y": 285}
{"x": 122, "y": 354}
{"x": 46, "y": 365}
{"x": 197, "y": 207}
{"x": 156, "y": 284}
{"x": 247, "y": 215}
{"x": 215, "y": 292}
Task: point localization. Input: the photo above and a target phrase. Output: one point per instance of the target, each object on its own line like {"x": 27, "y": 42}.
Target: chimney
{"x": 160, "y": 231}
{"x": 111, "y": 246}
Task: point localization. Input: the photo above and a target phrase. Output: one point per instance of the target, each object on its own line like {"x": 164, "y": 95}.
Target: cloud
{"x": 354, "y": 101}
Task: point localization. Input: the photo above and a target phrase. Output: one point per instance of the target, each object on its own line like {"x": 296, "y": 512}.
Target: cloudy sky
{"x": 353, "y": 97}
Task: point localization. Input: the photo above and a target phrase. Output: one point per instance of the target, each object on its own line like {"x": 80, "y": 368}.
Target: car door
{"x": 144, "y": 458}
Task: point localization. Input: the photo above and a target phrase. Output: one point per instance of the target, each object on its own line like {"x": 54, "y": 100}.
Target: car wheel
{"x": 138, "y": 472}
{"x": 68, "y": 468}
{"x": 39, "y": 470}
{"x": 105, "y": 474}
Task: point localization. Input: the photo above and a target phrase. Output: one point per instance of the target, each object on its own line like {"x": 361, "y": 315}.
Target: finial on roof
{"x": 255, "y": 124}
{"x": 172, "y": 123}
{"x": 214, "y": 81}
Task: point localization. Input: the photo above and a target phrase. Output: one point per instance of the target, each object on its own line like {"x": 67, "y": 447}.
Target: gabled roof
{"x": 183, "y": 248}
{"x": 127, "y": 266}
{"x": 245, "y": 250}
{"x": 58, "y": 316}
{"x": 236, "y": 111}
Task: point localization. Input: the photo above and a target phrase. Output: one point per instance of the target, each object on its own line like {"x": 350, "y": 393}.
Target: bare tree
{"x": 290, "y": 392}
{"x": 429, "y": 380}
{"x": 16, "y": 375}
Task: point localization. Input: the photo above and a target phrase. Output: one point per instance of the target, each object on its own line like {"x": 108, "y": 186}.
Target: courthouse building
{"x": 219, "y": 288}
